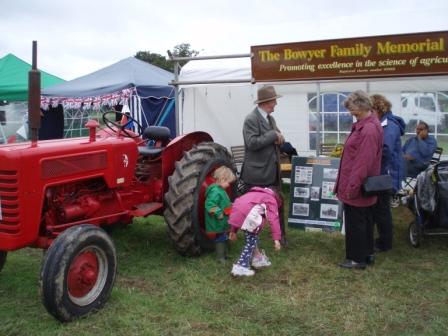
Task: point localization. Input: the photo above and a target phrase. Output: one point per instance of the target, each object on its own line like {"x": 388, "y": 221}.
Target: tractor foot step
{"x": 145, "y": 209}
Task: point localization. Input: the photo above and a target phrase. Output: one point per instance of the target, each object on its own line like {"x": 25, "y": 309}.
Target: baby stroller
{"x": 429, "y": 203}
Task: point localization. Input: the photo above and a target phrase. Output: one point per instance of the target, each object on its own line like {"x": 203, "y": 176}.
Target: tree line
{"x": 180, "y": 50}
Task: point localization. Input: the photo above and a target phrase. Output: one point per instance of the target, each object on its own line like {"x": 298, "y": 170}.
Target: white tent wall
{"x": 293, "y": 119}
{"x": 217, "y": 110}
{"x": 220, "y": 109}
{"x": 291, "y": 114}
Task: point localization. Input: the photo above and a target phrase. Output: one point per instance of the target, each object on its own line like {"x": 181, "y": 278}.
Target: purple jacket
{"x": 361, "y": 158}
{"x": 244, "y": 204}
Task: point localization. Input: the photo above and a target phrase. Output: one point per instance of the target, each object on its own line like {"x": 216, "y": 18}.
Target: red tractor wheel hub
{"x": 83, "y": 274}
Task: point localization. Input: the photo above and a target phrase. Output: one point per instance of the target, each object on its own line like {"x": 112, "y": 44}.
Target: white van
{"x": 421, "y": 106}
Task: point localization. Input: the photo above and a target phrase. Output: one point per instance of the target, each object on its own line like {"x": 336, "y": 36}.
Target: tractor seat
{"x": 158, "y": 137}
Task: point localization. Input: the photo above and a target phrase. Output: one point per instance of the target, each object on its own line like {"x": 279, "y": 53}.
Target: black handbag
{"x": 376, "y": 185}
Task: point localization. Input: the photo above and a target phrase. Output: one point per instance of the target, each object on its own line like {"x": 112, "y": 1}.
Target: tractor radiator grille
{"x": 70, "y": 165}
{"x": 9, "y": 202}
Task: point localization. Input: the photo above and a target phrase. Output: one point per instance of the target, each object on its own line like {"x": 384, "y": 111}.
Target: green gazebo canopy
{"x": 14, "y": 79}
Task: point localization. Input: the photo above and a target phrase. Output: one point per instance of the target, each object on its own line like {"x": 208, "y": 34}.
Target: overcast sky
{"x": 81, "y": 36}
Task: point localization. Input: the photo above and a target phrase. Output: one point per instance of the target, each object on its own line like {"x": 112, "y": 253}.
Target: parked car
{"x": 421, "y": 106}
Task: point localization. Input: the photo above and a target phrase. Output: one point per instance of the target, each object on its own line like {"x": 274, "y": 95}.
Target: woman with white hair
{"x": 360, "y": 159}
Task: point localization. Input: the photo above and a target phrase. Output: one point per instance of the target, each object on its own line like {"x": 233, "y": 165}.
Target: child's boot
{"x": 260, "y": 261}
{"x": 221, "y": 251}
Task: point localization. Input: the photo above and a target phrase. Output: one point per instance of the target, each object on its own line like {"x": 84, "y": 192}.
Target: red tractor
{"x": 58, "y": 194}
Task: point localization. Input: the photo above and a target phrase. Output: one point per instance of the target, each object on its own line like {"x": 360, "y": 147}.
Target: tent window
{"x": 14, "y": 116}
{"x": 76, "y": 119}
{"x": 335, "y": 121}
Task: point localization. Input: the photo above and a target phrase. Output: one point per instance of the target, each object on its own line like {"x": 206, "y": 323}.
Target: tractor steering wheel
{"x": 117, "y": 126}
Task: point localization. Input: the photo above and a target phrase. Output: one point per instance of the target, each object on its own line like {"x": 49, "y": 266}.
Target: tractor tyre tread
{"x": 181, "y": 199}
{"x": 56, "y": 264}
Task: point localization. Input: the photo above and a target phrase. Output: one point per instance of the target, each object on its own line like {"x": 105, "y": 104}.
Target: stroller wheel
{"x": 415, "y": 234}
{"x": 394, "y": 201}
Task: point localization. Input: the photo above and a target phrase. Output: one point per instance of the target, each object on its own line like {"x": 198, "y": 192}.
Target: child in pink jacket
{"x": 250, "y": 213}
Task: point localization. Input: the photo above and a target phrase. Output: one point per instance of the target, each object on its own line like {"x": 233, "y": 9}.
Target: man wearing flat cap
{"x": 262, "y": 138}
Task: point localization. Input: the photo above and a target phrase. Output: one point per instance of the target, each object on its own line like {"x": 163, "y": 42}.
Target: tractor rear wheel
{"x": 3, "y": 255}
{"x": 78, "y": 272}
{"x": 184, "y": 201}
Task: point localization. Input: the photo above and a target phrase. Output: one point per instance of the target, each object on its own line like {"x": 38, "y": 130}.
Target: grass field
{"x": 158, "y": 292}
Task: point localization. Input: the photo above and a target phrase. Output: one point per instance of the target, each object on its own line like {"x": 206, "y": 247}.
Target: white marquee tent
{"x": 220, "y": 109}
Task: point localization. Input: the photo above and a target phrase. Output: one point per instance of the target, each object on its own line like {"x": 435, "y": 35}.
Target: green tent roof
{"x": 14, "y": 79}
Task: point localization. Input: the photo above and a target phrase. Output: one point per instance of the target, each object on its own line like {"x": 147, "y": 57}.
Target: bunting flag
{"x": 94, "y": 103}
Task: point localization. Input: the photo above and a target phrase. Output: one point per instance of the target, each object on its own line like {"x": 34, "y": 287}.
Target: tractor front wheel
{"x": 78, "y": 272}
{"x": 3, "y": 255}
{"x": 184, "y": 210}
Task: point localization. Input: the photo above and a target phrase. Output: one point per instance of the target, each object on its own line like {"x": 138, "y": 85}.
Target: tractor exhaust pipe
{"x": 34, "y": 98}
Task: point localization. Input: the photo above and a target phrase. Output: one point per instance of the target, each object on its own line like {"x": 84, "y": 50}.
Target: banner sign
{"x": 419, "y": 54}
{"x": 313, "y": 206}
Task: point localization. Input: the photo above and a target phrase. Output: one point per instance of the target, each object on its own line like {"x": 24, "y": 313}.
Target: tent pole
{"x": 197, "y": 58}
{"x": 176, "y": 82}
{"x": 318, "y": 110}
{"x": 176, "y": 95}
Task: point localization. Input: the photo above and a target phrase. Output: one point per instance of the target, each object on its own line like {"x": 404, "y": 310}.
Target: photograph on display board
{"x": 327, "y": 190}
{"x": 330, "y": 173}
{"x": 315, "y": 193}
{"x": 303, "y": 175}
{"x": 300, "y": 209}
{"x": 329, "y": 211}
{"x": 302, "y": 192}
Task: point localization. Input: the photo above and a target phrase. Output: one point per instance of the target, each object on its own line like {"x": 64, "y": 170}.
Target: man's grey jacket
{"x": 261, "y": 157}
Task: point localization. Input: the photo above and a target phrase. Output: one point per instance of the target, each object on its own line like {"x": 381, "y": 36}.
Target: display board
{"x": 313, "y": 206}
